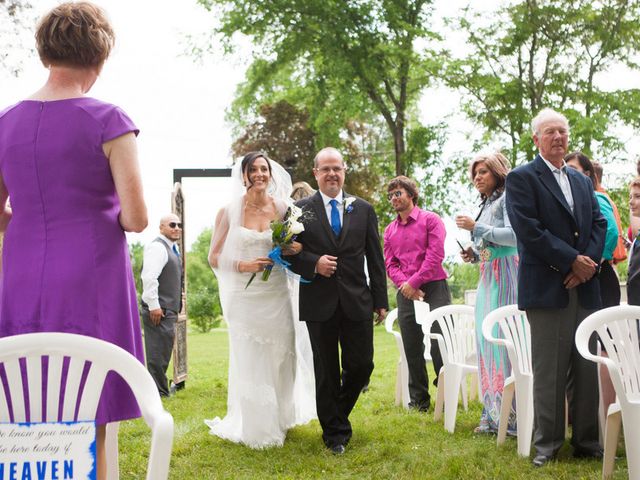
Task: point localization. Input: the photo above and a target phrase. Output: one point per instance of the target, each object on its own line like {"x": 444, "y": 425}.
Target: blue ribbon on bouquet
{"x": 276, "y": 257}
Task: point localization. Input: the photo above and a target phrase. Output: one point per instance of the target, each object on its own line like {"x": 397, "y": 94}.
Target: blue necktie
{"x": 335, "y": 217}
{"x": 175, "y": 250}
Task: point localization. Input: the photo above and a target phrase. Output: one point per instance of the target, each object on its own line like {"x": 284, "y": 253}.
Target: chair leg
{"x": 399, "y": 384}
{"x": 524, "y": 415}
{"x": 473, "y": 393}
{"x": 611, "y": 435}
{"x": 111, "y": 446}
{"x": 405, "y": 384}
{"x": 451, "y": 389}
{"x": 463, "y": 392}
{"x": 630, "y": 421}
{"x": 437, "y": 411}
{"x": 505, "y": 409}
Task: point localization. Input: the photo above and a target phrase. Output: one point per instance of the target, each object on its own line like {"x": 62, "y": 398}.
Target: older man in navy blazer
{"x": 560, "y": 232}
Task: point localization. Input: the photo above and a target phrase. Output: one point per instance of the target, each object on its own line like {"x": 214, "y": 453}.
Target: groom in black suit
{"x": 338, "y": 304}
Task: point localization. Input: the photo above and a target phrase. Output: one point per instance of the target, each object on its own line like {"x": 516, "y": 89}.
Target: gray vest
{"x": 170, "y": 281}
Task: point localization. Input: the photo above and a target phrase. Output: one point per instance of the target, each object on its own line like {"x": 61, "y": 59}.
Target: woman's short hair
{"x": 407, "y": 184}
{"x": 585, "y": 164}
{"x": 301, "y": 190}
{"x": 598, "y": 170}
{"x": 247, "y": 162}
{"x": 75, "y": 34}
{"x": 497, "y": 164}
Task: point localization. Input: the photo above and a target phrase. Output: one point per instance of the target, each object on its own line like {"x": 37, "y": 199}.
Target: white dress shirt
{"x": 327, "y": 206}
{"x": 562, "y": 178}
{"x": 155, "y": 258}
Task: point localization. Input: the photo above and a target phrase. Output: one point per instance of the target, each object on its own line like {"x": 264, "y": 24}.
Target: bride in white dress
{"x": 271, "y": 385}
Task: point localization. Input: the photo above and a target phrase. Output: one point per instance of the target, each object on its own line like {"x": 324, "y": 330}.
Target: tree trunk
{"x": 399, "y": 148}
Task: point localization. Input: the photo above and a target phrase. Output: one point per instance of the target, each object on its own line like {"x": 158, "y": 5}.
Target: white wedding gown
{"x": 271, "y": 384}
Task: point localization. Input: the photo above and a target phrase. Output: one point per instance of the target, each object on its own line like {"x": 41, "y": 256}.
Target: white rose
{"x": 296, "y": 228}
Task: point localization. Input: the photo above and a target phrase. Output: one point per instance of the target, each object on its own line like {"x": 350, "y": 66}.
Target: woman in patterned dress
{"x": 494, "y": 248}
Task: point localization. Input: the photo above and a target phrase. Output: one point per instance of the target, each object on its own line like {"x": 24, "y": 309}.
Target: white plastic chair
{"x": 104, "y": 357}
{"x": 517, "y": 341}
{"x": 618, "y": 329}
{"x": 457, "y": 344}
{"x": 422, "y": 310}
{"x": 402, "y": 375}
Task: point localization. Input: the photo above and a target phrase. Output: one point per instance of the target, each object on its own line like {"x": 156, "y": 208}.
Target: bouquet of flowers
{"x": 284, "y": 232}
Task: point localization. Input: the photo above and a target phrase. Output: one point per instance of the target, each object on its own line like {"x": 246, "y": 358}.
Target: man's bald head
{"x": 171, "y": 227}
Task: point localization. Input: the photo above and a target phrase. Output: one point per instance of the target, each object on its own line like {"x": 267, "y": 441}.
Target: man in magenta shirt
{"x": 413, "y": 252}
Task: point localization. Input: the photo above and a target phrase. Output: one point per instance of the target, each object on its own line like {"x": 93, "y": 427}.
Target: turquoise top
{"x": 611, "y": 238}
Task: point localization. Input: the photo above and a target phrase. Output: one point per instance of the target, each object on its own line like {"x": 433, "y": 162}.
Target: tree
{"x": 203, "y": 302}
{"x": 14, "y": 23}
{"x": 552, "y": 53}
{"x": 283, "y": 133}
{"x": 339, "y": 55}
{"x": 136, "y": 253}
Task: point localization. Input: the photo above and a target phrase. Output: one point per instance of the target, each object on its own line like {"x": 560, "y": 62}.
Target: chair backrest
{"x": 457, "y": 323}
{"x": 516, "y": 335}
{"x": 421, "y": 310}
{"x": 392, "y": 316}
{"x": 618, "y": 328}
{"x": 68, "y": 371}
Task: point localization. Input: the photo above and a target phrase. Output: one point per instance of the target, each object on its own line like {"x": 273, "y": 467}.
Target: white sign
{"x": 48, "y": 451}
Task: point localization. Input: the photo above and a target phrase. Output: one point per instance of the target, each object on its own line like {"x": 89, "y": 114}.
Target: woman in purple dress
{"x": 69, "y": 164}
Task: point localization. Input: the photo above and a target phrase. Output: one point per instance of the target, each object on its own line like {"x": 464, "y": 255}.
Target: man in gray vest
{"x": 161, "y": 298}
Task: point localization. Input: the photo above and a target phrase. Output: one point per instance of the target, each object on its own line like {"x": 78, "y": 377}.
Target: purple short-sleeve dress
{"x": 65, "y": 261}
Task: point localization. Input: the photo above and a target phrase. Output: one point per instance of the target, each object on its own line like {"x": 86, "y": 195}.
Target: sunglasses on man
{"x": 175, "y": 224}
{"x": 397, "y": 194}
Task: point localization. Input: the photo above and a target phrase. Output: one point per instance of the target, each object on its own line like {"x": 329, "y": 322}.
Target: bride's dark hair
{"x": 247, "y": 162}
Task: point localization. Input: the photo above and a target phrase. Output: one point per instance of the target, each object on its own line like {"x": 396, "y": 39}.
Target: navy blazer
{"x": 550, "y": 236}
{"x": 358, "y": 240}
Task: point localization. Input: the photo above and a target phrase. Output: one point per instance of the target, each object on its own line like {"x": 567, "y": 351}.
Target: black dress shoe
{"x": 420, "y": 406}
{"x": 584, "y": 453}
{"x": 337, "y": 449}
{"x": 173, "y": 389}
{"x": 542, "y": 460}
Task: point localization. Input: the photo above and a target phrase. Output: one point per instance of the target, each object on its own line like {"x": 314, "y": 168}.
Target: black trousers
{"x": 609, "y": 285}
{"x": 436, "y": 294}
{"x": 336, "y": 392}
{"x": 558, "y": 367}
{"x": 158, "y": 345}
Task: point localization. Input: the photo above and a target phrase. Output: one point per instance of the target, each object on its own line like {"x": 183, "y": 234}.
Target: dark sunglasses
{"x": 397, "y": 194}
{"x": 175, "y": 224}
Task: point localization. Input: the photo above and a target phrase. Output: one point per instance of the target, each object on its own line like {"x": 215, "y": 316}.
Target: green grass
{"x": 388, "y": 442}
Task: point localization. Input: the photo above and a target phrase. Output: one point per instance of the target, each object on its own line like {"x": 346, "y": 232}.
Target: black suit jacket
{"x": 359, "y": 239}
{"x": 550, "y": 236}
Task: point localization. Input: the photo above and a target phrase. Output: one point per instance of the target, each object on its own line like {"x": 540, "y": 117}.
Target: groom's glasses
{"x": 326, "y": 170}
{"x": 175, "y": 224}
{"x": 397, "y": 194}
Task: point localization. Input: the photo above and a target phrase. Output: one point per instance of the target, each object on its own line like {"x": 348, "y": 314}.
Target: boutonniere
{"x": 348, "y": 208}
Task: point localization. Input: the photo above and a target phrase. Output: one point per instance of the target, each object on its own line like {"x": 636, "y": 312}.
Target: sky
{"x": 179, "y": 104}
